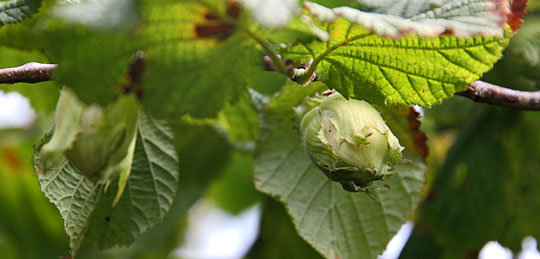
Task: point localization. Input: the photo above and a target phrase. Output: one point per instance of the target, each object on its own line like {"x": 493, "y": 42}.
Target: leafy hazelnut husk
{"x": 348, "y": 140}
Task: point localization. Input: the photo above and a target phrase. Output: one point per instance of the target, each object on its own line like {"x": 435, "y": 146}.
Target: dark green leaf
{"x": 485, "y": 190}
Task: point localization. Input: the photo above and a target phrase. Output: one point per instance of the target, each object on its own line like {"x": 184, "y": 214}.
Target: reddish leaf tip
{"x": 511, "y": 11}
{"x": 517, "y": 11}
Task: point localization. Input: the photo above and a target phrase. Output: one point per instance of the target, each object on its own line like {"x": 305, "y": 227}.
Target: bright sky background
{"x": 215, "y": 234}
{"x": 15, "y": 111}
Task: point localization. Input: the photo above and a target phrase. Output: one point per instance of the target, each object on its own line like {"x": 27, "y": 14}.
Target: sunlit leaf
{"x": 407, "y": 70}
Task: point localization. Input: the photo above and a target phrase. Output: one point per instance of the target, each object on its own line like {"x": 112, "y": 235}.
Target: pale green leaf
{"x": 124, "y": 167}
{"x": 67, "y": 116}
{"x": 335, "y": 222}
{"x": 426, "y": 18}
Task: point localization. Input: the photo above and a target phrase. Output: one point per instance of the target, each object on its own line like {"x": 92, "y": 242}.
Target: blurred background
{"x": 482, "y": 198}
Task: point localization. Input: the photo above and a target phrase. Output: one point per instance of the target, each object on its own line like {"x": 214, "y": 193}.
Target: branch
{"x": 483, "y": 92}
{"x": 478, "y": 91}
{"x": 28, "y": 73}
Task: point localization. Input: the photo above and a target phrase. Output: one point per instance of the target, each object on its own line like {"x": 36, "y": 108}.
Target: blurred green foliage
{"x": 482, "y": 183}
{"x": 30, "y": 226}
{"x": 484, "y": 164}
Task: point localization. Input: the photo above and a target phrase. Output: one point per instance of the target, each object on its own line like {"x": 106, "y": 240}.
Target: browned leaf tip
{"x": 419, "y": 138}
{"x": 233, "y": 9}
{"x": 215, "y": 27}
{"x": 133, "y": 80}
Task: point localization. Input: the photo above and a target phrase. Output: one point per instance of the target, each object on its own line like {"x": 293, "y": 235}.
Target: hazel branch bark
{"x": 28, "y": 73}
{"x": 478, "y": 91}
{"x": 483, "y": 92}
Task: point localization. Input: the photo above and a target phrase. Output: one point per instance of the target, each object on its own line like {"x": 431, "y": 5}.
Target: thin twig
{"x": 478, "y": 91}
{"x": 483, "y": 92}
{"x": 28, "y": 73}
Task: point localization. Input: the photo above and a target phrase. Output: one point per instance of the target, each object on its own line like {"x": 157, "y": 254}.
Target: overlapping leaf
{"x": 86, "y": 208}
{"x": 409, "y": 70}
{"x": 520, "y": 67}
{"x": 426, "y": 18}
{"x": 335, "y": 222}
{"x": 195, "y": 51}
{"x": 14, "y": 11}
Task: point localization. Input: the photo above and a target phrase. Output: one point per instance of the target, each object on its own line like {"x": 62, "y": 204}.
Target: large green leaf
{"x": 191, "y": 67}
{"x": 86, "y": 207}
{"x": 407, "y": 70}
{"x": 191, "y": 54}
{"x": 67, "y": 127}
{"x": 14, "y": 11}
{"x": 335, "y": 222}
